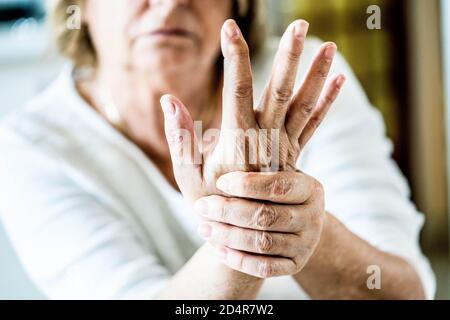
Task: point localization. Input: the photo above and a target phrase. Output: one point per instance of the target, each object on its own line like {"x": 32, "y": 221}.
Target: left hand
{"x": 254, "y": 136}
{"x": 269, "y": 226}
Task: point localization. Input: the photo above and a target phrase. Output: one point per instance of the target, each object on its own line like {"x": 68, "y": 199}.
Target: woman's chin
{"x": 166, "y": 54}
{"x": 166, "y": 61}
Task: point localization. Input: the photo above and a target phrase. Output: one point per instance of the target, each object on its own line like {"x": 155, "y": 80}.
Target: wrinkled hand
{"x": 269, "y": 224}
{"x": 295, "y": 116}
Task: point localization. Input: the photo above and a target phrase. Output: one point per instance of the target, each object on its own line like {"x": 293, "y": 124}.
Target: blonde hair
{"x": 76, "y": 44}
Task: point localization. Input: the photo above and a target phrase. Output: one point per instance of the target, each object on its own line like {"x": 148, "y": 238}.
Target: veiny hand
{"x": 271, "y": 226}
{"x": 295, "y": 116}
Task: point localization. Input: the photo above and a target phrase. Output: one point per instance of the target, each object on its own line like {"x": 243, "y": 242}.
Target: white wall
{"x": 26, "y": 67}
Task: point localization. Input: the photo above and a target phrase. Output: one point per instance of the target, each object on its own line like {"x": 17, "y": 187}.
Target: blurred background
{"x": 404, "y": 68}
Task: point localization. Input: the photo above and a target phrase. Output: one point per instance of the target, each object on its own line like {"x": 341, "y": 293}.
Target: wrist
{"x": 326, "y": 245}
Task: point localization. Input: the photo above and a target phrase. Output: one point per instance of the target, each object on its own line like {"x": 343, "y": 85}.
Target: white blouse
{"x": 90, "y": 216}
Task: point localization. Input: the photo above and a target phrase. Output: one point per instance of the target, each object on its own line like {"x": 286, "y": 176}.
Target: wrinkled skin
{"x": 264, "y": 217}
{"x": 295, "y": 118}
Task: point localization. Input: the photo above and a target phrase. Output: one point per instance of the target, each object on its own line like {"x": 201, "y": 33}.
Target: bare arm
{"x": 204, "y": 277}
{"x": 339, "y": 269}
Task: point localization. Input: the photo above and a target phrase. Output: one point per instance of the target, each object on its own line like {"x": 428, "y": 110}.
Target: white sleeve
{"x": 351, "y": 156}
{"x": 71, "y": 245}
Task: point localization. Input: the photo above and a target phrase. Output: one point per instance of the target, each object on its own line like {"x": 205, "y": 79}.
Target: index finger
{"x": 278, "y": 187}
{"x": 238, "y": 83}
{"x": 251, "y": 214}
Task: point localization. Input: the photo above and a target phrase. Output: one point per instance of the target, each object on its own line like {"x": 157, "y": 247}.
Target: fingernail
{"x": 300, "y": 29}
{"x": 330, "y": 51}
{"x": 201, "y": 207}
{"x": 232, "y": 30}
{"x": 167, "y": 105}
{"x": 223, "y": 184}
{"x": 222, "y": 253}
{"x": 205, "y": 231}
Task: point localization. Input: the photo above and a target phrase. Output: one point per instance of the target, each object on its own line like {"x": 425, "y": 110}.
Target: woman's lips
{"x": 171, "y": 32}
{"x": 166, "y": 35}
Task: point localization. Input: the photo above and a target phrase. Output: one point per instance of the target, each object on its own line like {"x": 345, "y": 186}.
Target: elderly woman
{"x": 104, "y": 185}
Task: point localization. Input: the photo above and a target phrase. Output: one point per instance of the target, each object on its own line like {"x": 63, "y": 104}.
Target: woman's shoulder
{"x": 39, "y": 108}
{"x": 47, "y": 121}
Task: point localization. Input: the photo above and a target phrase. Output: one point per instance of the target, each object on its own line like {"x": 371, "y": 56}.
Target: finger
{"x": 238, "y": 88}
{"x": 278, "y": 93}
{"x": 322, "y": 108}
{"x": 254, "y": 215}
{"x": 277, "y": 187}
{"x": 254, "y": 241}
{"x": 184, "y": 152}
{"x": 306, "y": 98}
{"x": 256, "y": 265}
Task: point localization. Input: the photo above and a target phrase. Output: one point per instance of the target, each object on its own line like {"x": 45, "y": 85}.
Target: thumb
{"x": 184, "y": 151}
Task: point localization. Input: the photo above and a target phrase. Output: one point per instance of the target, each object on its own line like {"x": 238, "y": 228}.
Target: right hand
{"x": 296, "y": 116}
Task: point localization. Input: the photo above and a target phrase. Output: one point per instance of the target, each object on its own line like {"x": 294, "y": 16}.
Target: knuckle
{"x": 281, "y": 95}
{"x": 322, "y": 71}
{"x": 223, "y": 211}
{"x": 280, "y": 187}
{"x": 307, "y": 108}
{"x": 265, "y": 217}
{"x": 243, "y": 89}
{"x": 315, "y": 122}
{"x": 294, "y": 54}
{"x": 322, "y": 74}
{"x": 328, "y": 99}
{"x": 177, "y": 136}
{"x": 266, "y": 269}
{"x": 263, "y": 242}
{"x": 179, "y": 144}
{"x": 291, "y": 217}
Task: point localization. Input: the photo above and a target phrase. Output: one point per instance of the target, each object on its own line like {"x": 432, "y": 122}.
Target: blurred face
{"x": 163, "y": 36}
